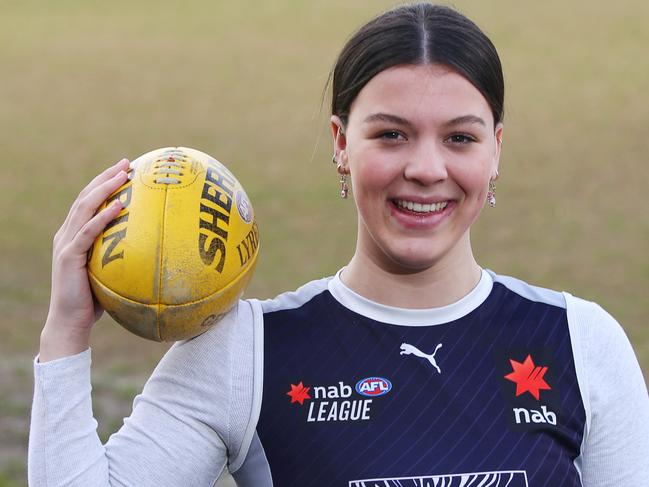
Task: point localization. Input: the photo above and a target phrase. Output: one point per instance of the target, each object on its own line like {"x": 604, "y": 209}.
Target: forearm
{"x": 160, "y": 444}
{"x": 64, "y": 448}
{"x": 60, "y": 342}
{"x": 177, "y": 432}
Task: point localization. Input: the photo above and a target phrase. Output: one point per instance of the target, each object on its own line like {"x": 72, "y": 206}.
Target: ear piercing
{"x": 491, "y": 194}
{"x": 344, "y": 187}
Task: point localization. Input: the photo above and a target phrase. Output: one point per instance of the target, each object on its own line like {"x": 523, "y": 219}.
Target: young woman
{"x": 412, "y": 366}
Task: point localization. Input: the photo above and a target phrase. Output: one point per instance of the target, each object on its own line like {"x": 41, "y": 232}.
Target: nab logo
{"x": 522, "y": 415}
{"x": 530, "y": 378}
{"x": 299, "y": 393}
{"x": 373, "y": 386}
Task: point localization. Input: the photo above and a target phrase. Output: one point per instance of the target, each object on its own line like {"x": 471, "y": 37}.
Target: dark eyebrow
{"x": 465, "y": 119}
{"x": 386, "y": 117}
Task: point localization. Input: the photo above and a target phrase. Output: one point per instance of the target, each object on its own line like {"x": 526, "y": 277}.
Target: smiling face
{"x": 421, "y": 146}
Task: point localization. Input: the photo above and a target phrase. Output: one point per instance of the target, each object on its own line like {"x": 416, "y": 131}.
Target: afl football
{"x": 182, "y": 250}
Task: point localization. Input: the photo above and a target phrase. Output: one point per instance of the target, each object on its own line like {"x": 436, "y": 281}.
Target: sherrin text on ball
{"x": 182, "y": 250}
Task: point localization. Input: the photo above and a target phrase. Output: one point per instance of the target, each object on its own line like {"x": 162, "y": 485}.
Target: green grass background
{"x": 85, "y": 83}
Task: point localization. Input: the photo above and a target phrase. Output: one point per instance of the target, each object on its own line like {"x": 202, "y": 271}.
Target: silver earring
{"x": 491, "y": 194}
{"x": 344, "y": 188}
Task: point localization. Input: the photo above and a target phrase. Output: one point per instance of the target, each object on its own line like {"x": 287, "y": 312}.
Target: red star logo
{"x": 299, "y": 393}
{"x": 528, "y": 377}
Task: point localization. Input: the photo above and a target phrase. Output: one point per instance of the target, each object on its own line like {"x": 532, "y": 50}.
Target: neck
{"x": 441, "y": 284}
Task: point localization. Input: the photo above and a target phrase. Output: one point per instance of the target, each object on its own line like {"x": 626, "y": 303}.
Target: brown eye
{"x": 391, "y": 135}
{"x": 460, "y": 139}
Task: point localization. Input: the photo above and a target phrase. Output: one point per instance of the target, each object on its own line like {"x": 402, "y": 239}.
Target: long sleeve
{"x": 63, "y": 444}
{"x": 615, "y": 450}
{"x": 180, "y": 432}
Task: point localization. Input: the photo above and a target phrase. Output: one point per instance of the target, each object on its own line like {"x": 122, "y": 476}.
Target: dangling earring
{"x": 491, "y": 194}
{"x": 344, "y": 187}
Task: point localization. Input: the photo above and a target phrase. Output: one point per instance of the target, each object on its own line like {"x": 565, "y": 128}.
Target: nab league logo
{"x": 336, "y": 402}
{"x": 530, "y": 378}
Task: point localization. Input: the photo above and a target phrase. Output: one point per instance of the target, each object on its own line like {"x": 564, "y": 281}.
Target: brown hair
{"x": 416, "y": 34}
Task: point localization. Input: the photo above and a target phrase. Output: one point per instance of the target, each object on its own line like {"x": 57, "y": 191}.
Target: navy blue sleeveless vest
{"x": 488, "y": 398}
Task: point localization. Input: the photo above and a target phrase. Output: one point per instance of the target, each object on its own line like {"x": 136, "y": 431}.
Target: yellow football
{"x": 182, "y": 250}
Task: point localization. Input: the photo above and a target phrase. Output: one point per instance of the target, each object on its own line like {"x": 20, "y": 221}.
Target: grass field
{"x": 86, "y": 83}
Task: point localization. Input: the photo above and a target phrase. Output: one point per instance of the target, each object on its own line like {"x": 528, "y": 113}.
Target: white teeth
{"x": 421, "y": 208}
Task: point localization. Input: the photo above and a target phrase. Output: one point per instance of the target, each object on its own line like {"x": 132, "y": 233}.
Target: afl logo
{"x": 373, "y": 386}
{"x": 244, "y": 206}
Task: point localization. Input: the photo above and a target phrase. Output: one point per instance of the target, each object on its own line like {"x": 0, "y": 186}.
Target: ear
{"x": 499, "y": 144}
{"x": 339, "y": 138}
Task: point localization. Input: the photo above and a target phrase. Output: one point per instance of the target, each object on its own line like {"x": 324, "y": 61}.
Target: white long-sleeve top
{"x": 198, "y": 412}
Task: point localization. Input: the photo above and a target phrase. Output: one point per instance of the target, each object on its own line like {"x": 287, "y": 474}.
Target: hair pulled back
{"x": 418, "y": 34}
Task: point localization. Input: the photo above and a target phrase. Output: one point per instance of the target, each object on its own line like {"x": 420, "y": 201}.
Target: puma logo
{"x": 407, "y": 349}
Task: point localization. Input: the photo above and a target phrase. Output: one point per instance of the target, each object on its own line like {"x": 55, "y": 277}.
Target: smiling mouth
{"x": 421, "y": 208}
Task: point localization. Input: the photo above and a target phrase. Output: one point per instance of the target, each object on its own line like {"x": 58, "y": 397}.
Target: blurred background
{"x": 85, "y": 83}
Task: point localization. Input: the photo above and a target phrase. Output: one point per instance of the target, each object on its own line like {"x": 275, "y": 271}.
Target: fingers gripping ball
{"x": 182, "y": 250}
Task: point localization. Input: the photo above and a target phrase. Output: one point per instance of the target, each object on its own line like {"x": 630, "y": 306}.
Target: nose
{"x": 426, "y": 164}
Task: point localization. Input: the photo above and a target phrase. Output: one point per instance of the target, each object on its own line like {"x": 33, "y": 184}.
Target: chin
{"x": 410, "y": 263}
{"x": 408, "y": 254}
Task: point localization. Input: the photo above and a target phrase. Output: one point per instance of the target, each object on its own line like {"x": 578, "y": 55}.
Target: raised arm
{"x": 181, "y": 428}
{"x": 72, "y": 311}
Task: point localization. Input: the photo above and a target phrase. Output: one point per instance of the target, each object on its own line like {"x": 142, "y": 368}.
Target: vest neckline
{"x": 406, "y": 316}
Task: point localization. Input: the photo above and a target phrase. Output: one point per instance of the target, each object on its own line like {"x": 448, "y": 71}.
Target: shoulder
{"x": 603, "y": 340}
{"x": 602, "y": 352}
{"x": 605, "y": 349}
{"x": 593, "y": 319}
{"x": 529, "y": 291}
{"x": 294, "y": 299}
{"x": 597, "y": 337}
